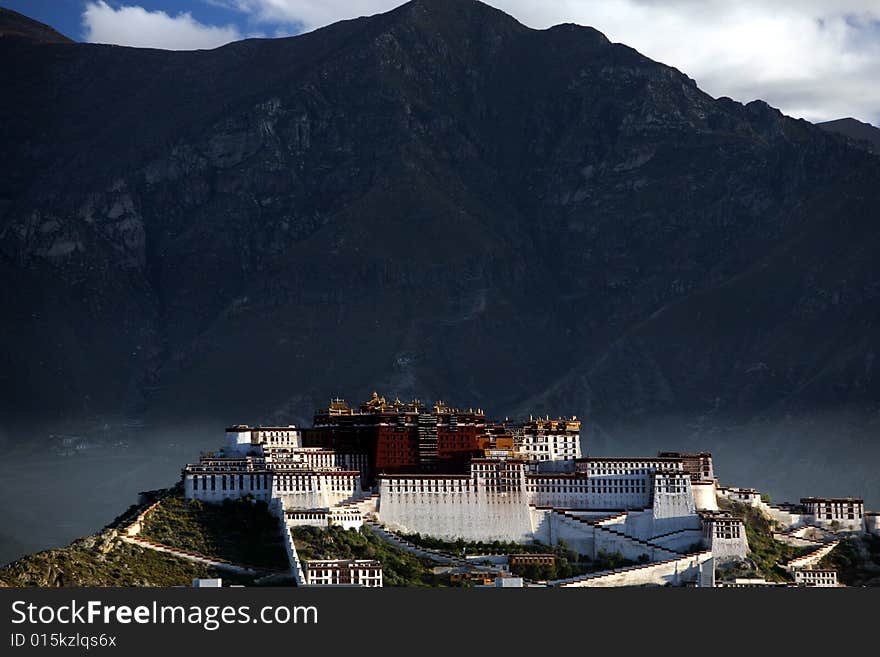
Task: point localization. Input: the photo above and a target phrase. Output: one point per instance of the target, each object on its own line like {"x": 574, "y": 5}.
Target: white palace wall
{"x": 315, "y": 490}
{"x": 219, "y": 486}
{"x": 501, "y": 504}
{"x": 674, "y": 507}
{"x": 552, "y": 528}
{"x": 298, "y": 489}
{"x": 726, "y": 537}
{"x": 592, "y": 539}
{"x": 705, "y": 498}
{"x": 461, "y": 511}
{"x": 694, "y": 569}
{"x": 680, "y": 540}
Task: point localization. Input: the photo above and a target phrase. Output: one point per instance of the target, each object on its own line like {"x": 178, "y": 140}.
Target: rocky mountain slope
{"x": 13, "y": 24}
{"x": 865, "y": 133}
{"x": 436, "y": 201}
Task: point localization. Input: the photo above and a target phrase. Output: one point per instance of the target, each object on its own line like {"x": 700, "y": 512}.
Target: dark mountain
{"x": 13, "y": 24}
{"x": 437, "y": 201}
{"x": 855, "y": 129}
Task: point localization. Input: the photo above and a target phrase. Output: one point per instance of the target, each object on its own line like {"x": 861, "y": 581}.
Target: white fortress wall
{"x": 300, "y": 489}
{"x": 680, "y": 540}
{"x": 555, "y": 466}
{"x": 584, "y": 532}
{"x": 640, "y": 524}
{"x": 872, "y": 523}
{"x": 577, "y": 535}
{"x": 238, "y": 442}
{"x": 306, "y": 518}
{"x": 276, "y": 506}
{"x": 608, "y": 541}
{"x": 315, "y": 490}
{"x": 453, "y": 507}
{"x": 219, "y": 486}
{"x": 615, "y": 521}
{"x": 812, "y": 558}
{"x": 725, "y": 549}
{"x": 541, "y": 530}
{"x": 289, "y": 437}
{"x": 705, "y": 498}
{"x": 347, "y": 518}
{"x": 674, "y": 507}
{"x": 293, "y": 559}
{"x": 578, "y": 491}
{"x": 784, "y": 516}
{"x": 557, "y": 490}
{"x": 747, "y": 496}
{"x": 676, "y": 571}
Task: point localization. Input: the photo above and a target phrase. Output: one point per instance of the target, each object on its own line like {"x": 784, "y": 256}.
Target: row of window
{"x": 727, "y": 532}
{"x": 592, "y": 487}
{"x": 227, "y": 482}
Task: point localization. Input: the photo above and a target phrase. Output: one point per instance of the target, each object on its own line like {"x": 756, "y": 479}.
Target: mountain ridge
{"x": 431, "y": 201}
{"x": 854, "y": 129}
{"x": 14, "y": 24}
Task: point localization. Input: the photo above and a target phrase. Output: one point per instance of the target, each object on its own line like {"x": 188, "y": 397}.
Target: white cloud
{"x": 135, "y": 26}
{"x": 815, "y": 59}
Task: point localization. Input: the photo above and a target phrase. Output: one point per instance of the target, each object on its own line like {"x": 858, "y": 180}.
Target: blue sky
{"x": 66, "y": 16}
{"x": 815, "y": 59}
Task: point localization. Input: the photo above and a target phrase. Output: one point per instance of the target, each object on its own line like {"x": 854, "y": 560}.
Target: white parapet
{"x": 812, "y": 558}
{"x": 705, "y": 498}
{"x": 693, "y": 569}
{"x": 872, "y": 523}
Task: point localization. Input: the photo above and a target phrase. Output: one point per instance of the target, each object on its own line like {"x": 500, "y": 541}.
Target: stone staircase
{"x": 598, "y": 526}
{"x": 811, "y": 558}
{"x": 638, "y": 575}
{"x": 425, "y": 553}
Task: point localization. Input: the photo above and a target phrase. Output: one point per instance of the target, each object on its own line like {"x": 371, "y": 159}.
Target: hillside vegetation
{"x": 568, "y": 563}
{"x": 765, "y": 552}
{"x": 241, "y": 531}
{"x": 856, "y": 560}
{"x": 102, "y": 560}
{"x": 399, "y": 568}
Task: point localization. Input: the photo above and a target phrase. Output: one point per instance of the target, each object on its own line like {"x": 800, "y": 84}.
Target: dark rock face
{"x": 13, "y": 24}
{"x": 437, "y": 201}
{"x": 863, "y": 133}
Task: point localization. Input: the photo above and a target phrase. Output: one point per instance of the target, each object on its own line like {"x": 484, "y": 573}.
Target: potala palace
{"x": 449, "y": 473}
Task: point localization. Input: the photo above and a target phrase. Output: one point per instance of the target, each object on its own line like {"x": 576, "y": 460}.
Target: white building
{"x": 705, "y": 495}
{"x": 552, "y": 444}
{"x": 650, "y": 510}
{"x": 345, "y": 517}
{"x": 499, "y": 500}
{"x": 207, "y": 583}
{"x": 214, "y": 479}
{"x": 872, "y": 523}
{"x": 816, "y": 577}
{"x": 343, "y": 572}
{"x": 836, "y": 513}
{"x": 748, "y": 583}
{"x": 725, "y": 536}
{"x": 242, "y": 439}
{"x": 747, "y": 496}
{"x": 306, "y": 478}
